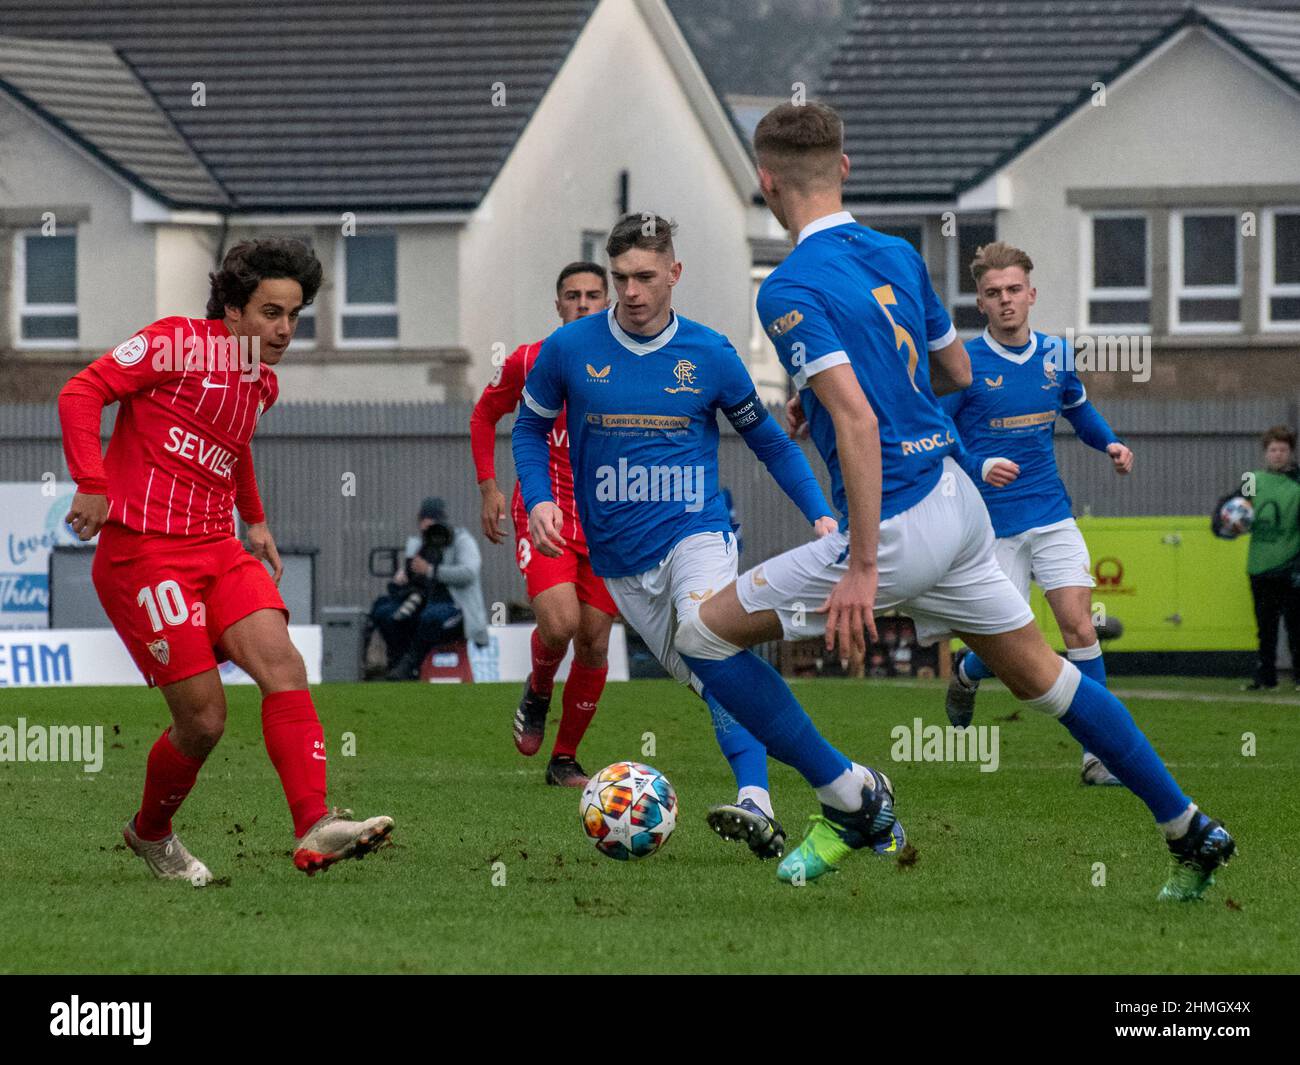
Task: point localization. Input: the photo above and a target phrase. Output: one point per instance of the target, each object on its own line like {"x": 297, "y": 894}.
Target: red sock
{"x": 545, "y": 662}
{"x": 581, "y": 693}
{"x": 168, "y": 777}
{"x": 296, "y": 743}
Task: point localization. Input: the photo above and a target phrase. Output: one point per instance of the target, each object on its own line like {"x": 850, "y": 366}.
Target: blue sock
{"x": 747, "y": 757}
{"x": 759, "y": 699}
{"x": 1091, "y": 665}
{"x": 975, "y": 668}
{"x": 1104, "y": 726}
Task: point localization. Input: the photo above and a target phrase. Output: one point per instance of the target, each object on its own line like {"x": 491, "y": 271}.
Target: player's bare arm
{"x": 950, "y": 369}
{"x": 850, "y": 607}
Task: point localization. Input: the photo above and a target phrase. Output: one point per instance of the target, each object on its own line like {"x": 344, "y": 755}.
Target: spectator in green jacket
{"x": 1273, "y": 562}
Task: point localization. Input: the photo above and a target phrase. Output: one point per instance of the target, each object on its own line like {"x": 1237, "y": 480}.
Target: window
{"x": 1205, "y": 271}
{"x": 971, "y": 236}
{"x": 593, "y": 246}
{"x": 912, "y": 232}
{"x": 1117, "y": 270}
{"x": 45, "y": 289}
{"x": 304, "y": 336}
{"x": 368, "y": 309}
{"x": 1280, "y": 269}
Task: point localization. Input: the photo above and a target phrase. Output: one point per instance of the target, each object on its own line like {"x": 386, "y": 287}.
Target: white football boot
{"x": 167, "y": 858}
{"x": 335, "y": 837}
{"x": 1096, "y": 774}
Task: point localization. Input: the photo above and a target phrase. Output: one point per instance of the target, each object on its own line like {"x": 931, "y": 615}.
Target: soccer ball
{"x": 1236, "y": 516}
{"x": 628, "y": 810}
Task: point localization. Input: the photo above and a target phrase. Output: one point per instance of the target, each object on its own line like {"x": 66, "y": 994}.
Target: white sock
{"x": 1177, "y": 828}
{"x": 1084, "y": 654}
{"x": 845, "y": 791}
{"x": 868, "y": 777}
{"x": 965, "y": 681}
{"x": 760, "y": 796}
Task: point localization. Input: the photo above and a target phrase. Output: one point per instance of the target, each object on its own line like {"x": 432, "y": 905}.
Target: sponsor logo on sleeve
{"x": 784, "y": 324}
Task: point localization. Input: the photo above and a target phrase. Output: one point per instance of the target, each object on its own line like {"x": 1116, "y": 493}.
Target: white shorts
{"x": 1054, "y": 556}
{"x": 655, "y": 601}
{"x": 936, "y": 566}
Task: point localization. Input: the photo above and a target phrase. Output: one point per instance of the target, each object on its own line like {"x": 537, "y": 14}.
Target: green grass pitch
{"x": 1003, "y": 878}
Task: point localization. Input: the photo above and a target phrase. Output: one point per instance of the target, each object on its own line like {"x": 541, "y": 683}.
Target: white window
{"x": 1280, "y": 269}
{"x": 45, "y": 289}
{"x": 368, "y": 308}
{"x": 1116, "y": 250}
{"x": 592, "y": 249}
{"x": 304, "y": 335}
{"x": 971, "y": 236}
{"x": 770, "y": 378}
{"x": 1205, "y": 271}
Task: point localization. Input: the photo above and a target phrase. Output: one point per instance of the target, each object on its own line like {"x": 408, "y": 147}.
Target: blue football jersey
{"x": 847, "y": 294}
{"x": 1010, "y": 411}
{"x": 643, "y": 428}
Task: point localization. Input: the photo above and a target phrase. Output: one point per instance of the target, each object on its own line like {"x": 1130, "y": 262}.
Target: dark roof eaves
{"x": 90, "y": 147}
{"x": 231, "y": 199}
{"x": 1190, "y": 17}
{"x": 1228, "y": 37}
{"x": 494, "y": 171}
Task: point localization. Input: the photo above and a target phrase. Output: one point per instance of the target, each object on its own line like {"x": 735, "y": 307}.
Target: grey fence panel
{"x": 347, "y": 478}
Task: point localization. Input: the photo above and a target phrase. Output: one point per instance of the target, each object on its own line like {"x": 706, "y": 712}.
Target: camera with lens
{"x": 436, "y": 539}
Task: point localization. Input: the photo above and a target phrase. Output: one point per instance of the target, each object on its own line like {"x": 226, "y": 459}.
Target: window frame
{"x": 1130, "y": 294}
{"x": 1268, "y": 289}
{"x": 598, "y": 238}
{"x": 21, "y": 309}
{"x": 952, "y": 271}
{"x": 343, "y": 309}
{"x": 1178, "y": 291}
{"x": 309, "y": 311}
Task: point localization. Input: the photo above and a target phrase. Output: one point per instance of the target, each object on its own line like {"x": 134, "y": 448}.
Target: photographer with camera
{"x": 435, "y": 598}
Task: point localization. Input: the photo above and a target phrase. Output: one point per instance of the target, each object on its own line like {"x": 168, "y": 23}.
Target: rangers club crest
{"x": 684, "y": 372}
{"x": 160, "y": 650}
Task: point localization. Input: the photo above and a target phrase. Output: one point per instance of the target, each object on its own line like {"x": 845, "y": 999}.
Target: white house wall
{"x": 185, "y": 256}
{"x": 614, "y": 105}
{"x": 1196, "y": 115}
{"x": 116, "y": 280}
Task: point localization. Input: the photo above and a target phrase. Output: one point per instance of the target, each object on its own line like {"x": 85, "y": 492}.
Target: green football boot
{"x": 1197, "y": 855}
{"x": 833, "y": 835}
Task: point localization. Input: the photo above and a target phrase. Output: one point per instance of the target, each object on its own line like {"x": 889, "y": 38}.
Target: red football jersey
{"x": 500, "y": 398}
{"x": 179, "y": 458}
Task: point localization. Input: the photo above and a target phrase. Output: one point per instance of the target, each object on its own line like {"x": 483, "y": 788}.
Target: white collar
{"x": 826, "y": 221}
{"x": 638, "y": 347}
{"x": 1019, "y": 359}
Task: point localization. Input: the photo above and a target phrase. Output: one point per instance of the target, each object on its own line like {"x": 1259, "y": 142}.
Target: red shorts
{"x": 170, "y": 597}
{"x": 572, "y": 567}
